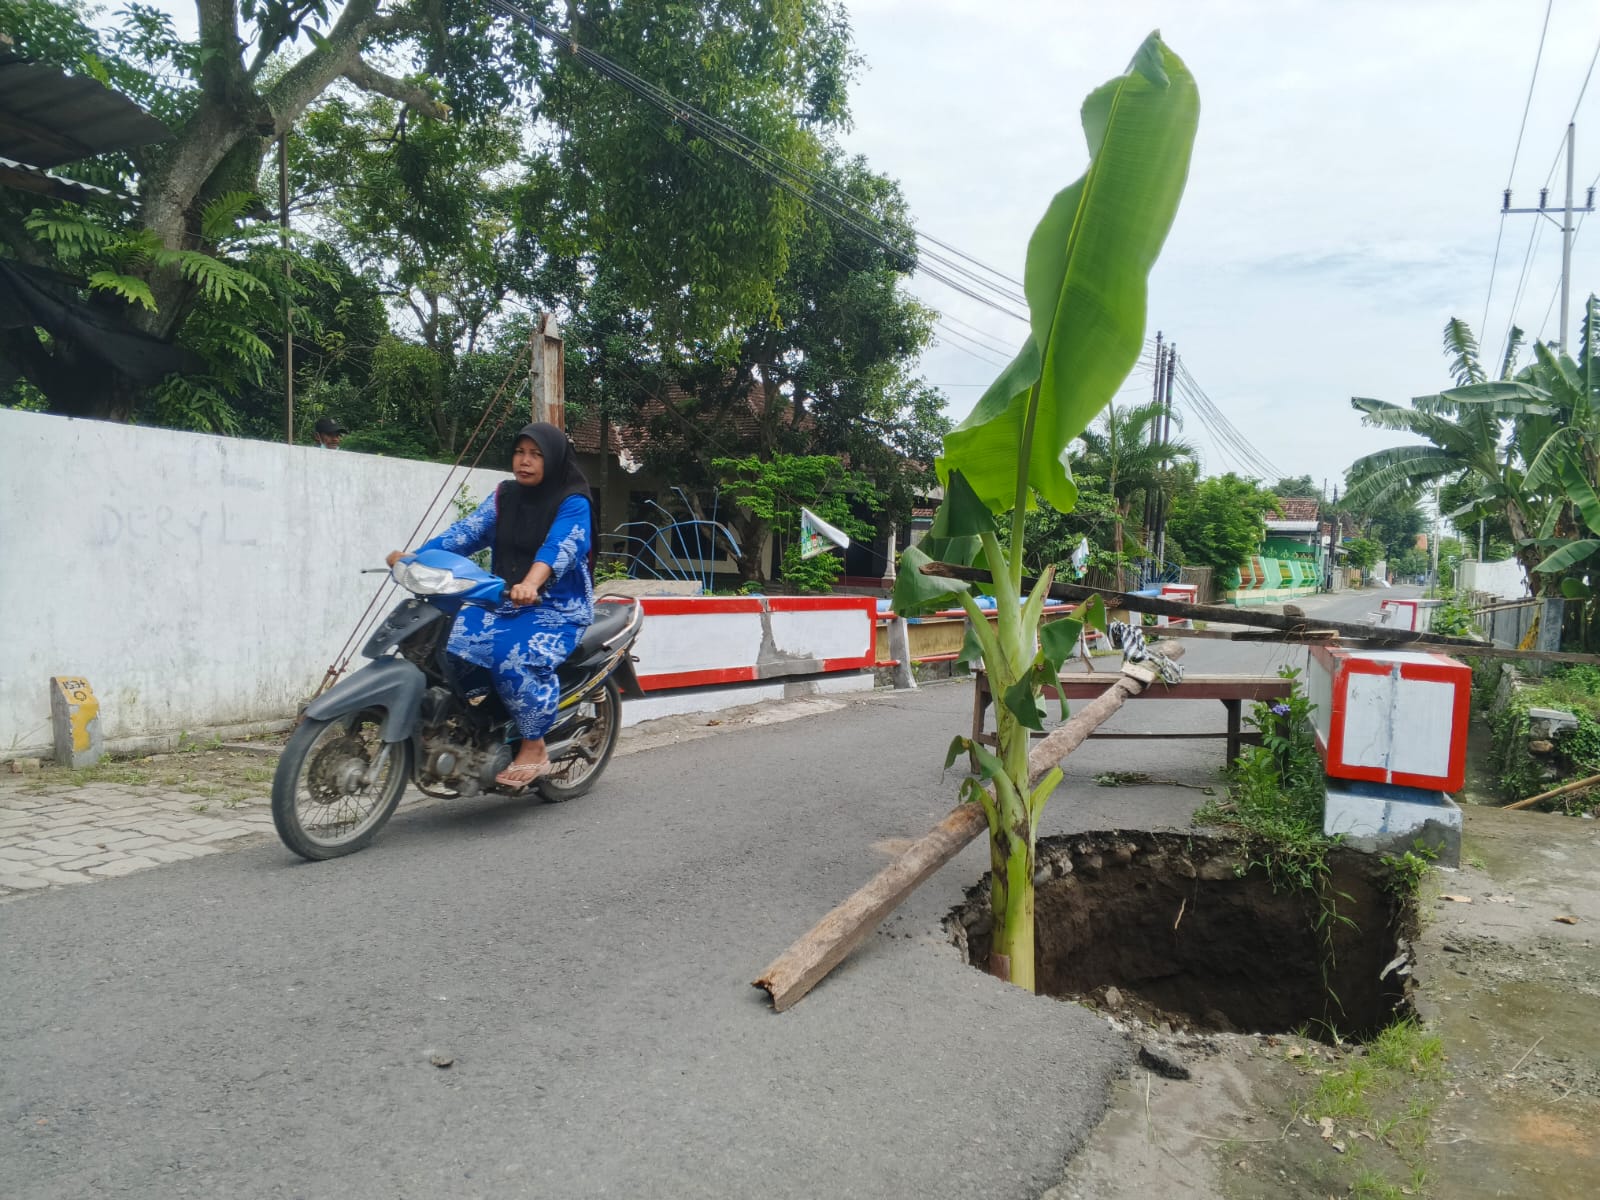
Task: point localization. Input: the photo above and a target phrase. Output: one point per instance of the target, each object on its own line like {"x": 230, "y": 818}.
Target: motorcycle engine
{"x": 453, "y": 756}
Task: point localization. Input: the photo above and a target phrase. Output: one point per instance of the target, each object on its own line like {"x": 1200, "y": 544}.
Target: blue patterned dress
{"x": 523, "y": 646}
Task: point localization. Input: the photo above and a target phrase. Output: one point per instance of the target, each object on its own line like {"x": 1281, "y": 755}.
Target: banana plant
{"x": 1085, "y": 278}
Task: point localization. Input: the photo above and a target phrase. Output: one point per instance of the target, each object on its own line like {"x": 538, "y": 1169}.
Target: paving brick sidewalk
{"x": 61, "y": 832}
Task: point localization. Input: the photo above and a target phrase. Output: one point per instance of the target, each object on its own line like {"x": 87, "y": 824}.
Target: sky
{"x": 1343, "y": 201}
{"x": 1342, "y": 204}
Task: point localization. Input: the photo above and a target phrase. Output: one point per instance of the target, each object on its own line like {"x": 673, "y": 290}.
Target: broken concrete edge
{"x": 1386, "y": 819}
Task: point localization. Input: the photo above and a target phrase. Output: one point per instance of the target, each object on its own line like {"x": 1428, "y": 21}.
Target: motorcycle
{"x": 418, "y": 713}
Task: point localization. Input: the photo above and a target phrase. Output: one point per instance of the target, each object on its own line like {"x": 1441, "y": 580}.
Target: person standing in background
{"x": 329, "y": 432}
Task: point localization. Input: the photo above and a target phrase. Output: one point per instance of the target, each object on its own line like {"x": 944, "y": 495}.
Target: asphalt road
{"x": 248, "y": 1025}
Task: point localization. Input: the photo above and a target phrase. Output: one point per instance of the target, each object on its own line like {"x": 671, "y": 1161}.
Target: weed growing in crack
{"x": 1408, "y": 870}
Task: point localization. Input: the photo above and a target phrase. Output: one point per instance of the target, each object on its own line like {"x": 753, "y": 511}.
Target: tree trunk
{"x": 752, "y": 533}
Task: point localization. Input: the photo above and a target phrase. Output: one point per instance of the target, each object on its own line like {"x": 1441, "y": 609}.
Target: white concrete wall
{"x": 195, "y": 581}
{"x": 1496, "y": 578}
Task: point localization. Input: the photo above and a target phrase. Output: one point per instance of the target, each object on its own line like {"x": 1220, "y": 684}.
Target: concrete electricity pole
{"x": 1565, "y": 225}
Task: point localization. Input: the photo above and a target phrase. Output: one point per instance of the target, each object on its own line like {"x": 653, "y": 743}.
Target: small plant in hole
{"x": 1411, "y": 868}
{"x": 1276, "y": 795}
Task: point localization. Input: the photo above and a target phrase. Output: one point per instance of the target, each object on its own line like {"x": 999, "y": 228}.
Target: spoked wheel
{"x": 601, "y": 711}
{"x": 337, "y": 783}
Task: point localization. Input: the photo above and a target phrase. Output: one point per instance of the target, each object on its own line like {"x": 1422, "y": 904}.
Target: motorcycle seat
{"x": 609, "y": 621}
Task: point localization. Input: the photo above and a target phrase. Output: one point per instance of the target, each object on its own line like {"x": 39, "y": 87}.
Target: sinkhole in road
{"x": 1195, "y": 931}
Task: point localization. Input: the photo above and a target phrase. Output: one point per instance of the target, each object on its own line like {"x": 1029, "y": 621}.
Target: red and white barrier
{"x": 701, "y": 641}
{"x": 1186, "y": 593}
{"x": 1399, "y": 614}
{"x": 1392, "y": 717}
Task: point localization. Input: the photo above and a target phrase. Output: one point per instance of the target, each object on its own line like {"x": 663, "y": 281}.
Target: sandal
{"x": 518, "y": 776}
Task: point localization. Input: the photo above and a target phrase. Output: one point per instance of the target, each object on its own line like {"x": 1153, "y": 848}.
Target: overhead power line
{"x": 1527, "y": 103}
{"x": 978, "y": 281}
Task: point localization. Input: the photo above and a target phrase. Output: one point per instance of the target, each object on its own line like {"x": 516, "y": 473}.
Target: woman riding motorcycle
{"x": 539, "y": 527}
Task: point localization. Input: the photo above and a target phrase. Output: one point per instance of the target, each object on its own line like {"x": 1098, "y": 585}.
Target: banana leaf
{"x": 1086, "y": 278}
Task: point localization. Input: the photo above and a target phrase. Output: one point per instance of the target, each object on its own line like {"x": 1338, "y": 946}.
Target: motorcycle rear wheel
{"x": 576, "y": 775}
{"x": 322, "y": 804}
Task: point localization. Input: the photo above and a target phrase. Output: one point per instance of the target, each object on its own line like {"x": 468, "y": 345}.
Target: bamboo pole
{"x": 1163, "y": 606}
{"x": 804, "y": 964}
{"x": 1576, "y": 786}
{"x": 1330, "y": 637}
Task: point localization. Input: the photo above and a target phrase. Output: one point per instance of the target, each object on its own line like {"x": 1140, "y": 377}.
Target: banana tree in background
{"x": 1515, "y": 445}
{"x": 1085, "y": 279}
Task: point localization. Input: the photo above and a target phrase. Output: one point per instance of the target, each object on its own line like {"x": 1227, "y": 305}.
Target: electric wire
{"x": 802, "y": 183}
{"x": 1516, "y": 152}
{"x": 1550, "y": 175}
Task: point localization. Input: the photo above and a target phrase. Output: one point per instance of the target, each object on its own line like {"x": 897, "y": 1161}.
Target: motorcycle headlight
{"x": 429, "y": 581}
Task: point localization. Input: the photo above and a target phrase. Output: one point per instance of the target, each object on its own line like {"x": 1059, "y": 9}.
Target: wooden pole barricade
{"x": 1296, "y": 628}
{"x": 1331, "y": 637}
{"x": 804, "y": 965}
{"x": 1166, "y": 606}
{"x": 1577, "y": 785}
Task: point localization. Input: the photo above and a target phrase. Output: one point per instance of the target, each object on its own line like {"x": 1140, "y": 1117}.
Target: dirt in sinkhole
{"x": 1191, "y": 930}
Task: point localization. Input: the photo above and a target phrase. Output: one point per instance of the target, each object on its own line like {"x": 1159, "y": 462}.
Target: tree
{"x": 1465, "y": 428}
{"x": 828, "y": 371}
{"x": 773, "y": 493}
{"x": 655, "y": 195}
{"x": 1223, "y": 523}
{"x": 1133, "y": 463}
{"x": 1363, "y": 553}
{"x": 1299, "y": 487}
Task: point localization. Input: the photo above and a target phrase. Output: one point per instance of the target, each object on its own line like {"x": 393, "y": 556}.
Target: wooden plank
{"x": 800, "y": 968}
{"x": 1264, "y": 688}
{"x": 1311, "y": 638}
{"x": 804, "y": 964}
{"x": 1167, "y": 607}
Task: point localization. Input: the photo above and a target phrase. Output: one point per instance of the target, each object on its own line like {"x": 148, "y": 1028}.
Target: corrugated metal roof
{"x": 32, "y": 179}
{"x": 48, "y": 118}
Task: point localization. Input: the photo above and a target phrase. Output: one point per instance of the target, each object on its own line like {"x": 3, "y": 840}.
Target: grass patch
{"x": 1276, "y": 794}
{"x": 1381, "y": 1103}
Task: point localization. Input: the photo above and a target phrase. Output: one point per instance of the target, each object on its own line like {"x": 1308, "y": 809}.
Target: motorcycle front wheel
{"x": 337, "y": 783}
{"x": 601, "y": 710}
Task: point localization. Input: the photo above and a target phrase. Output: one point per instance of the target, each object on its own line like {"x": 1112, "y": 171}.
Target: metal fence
{"x": 1503, "y": 623}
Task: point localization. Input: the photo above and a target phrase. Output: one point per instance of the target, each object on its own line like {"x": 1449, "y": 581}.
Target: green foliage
{"x": 1409, "y": 562}
{"x": 1298, "y": 487}
{"x": 1363, "y": 553}
{"x": 1223, "y": 522}
{"x": 1278, "y": 792}
{"x": 1085, "y": 279}
{"x": 609, "y": 567}
{"x": 1410, "y": 868}
{"x": 1575, "y": 689}
{"x": 1453, "y": 618}
{"x": 815, "y": 574}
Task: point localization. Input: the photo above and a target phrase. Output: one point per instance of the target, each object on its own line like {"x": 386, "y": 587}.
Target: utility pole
{"x": 1565, "y": 225}
{"x": 288, "y": 312}
{"x": 1155, "y": 433}
{"x": 1166, "y": 436}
